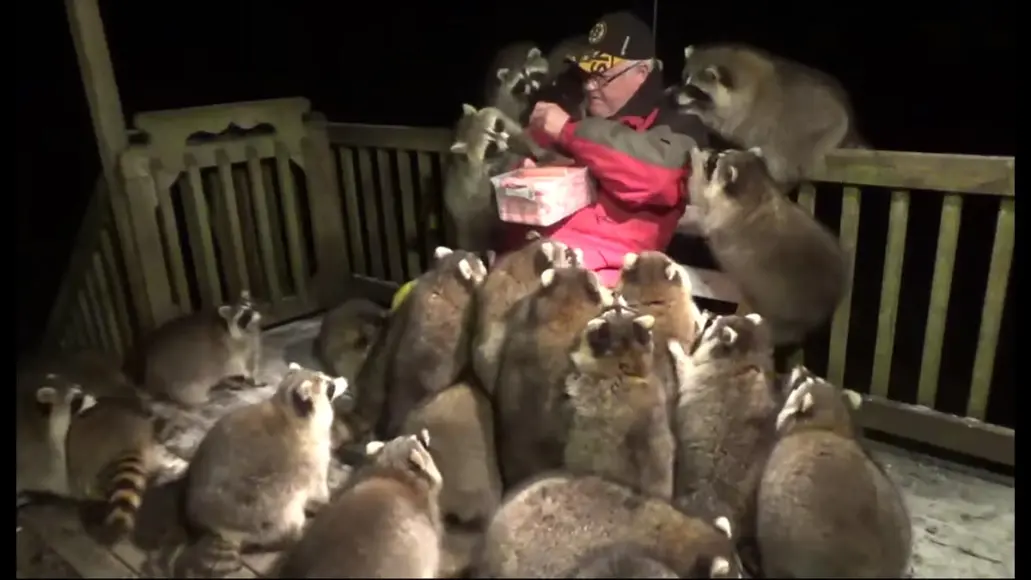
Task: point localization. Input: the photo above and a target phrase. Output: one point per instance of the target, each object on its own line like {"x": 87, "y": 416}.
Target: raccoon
{"x": 95, "y": 372}
{"x": 487, "y": 143}
{"x": 42, "y": 420}
{"x": 112, "y": 454}
{"x": 257, "y": 472}
{"x": 529, "y": 391}
{"x": 620, "y": 561}
{"x": 514, "y": 276}
{"x": 346, "y": 334}
{"x": 385, "y": 524}
{"x": 652, "y": 283}
{"x": 564, "y": 85}
{"x": 517, "y": 73}
{"x": 422, "y": 350}
{"x": 620, "y": 426}
{"x": 825, "y": 508}
{"x": 794, "y": 113}
{"x": 187, "y": 356}
{"x": 460, "y": 418}
{"x": 544, "y": 529}
{"x": 726, "y": 412}
{"x": 789, "y": 267}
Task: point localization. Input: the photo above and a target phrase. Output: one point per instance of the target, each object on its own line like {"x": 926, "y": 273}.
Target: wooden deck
{"x": 963, "y": 522}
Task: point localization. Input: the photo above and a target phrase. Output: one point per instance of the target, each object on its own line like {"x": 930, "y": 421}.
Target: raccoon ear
{"x": 629, "y": 260}
{"x": 855, "y": 400}
{"x": 424, "y": 437}
{"x": 645, "y": 321}
{"x": 421, "y": 460}
{"x": 807, "y": 403}
{"x": 757, "y": 151}
{"x": 245, "y": 295}
{"x": 226, "y": 312}
{"x": 723, "y": 525}
{"x": 643, "y": 329}
{"x": 303, "y": 399}
{"x": 442, "y": 252}
{"x": 797, "y": 377}
{"x": 547, "y": 277}
{"x": 87, "y": 402}
{"x": 720, "y": 567}
{"x": 459, "y": 147}
{"x": 340, "y": 386}
{"x": 672, "y": 272}
{"x": 688, "y": 50}
{"x": 727, "y": 173}
{"x": 468, "y": 109}
{"x": 492, "y": 257}
{"x": 579, "y": 255}
{"x": 46, "y": 395}
{"x": 754, "y": 317}
{"x": 465, "y": 270}
{"x": 533, "y": 53}
{"x": 501, "y": 73}
{"x": 373, "y": 447}
{"x": 293, "y": 366}
{"x": 532, "y": 235}
{"x": 728, "y": 335}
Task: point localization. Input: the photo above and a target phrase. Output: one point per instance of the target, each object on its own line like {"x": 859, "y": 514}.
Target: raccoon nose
{"x": 499, "y": 126}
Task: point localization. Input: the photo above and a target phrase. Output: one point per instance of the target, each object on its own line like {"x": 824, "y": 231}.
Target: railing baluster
{"x": 371, "y": 218}
{"x": 97, "y": 310}
{"x": 204, "y": 262}
{"x": 891, "y": 283}
{"x": 938, "y": 309}
{"x": 839, "y": 327}
{"x": 170, "y": 239}
{"x": 291, "y": 221}
{"x": 427, "y": 190}
{"x": 252, "y": 253}
{"x": 991, "y": 313}
{"x": 233, "y": 259}
{"x": 807, "y": 197}
{"x": 108, "y": 309}
{"x": 259, "y": 200}
{"x": 117, "y": 287}
{"x": 352, "y": 211}
{"x": 408, "y": 204}
{"x": 90, "y": 332}
{"x": 388, "y": 200}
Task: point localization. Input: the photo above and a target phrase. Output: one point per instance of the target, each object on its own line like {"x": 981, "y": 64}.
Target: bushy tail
{"x": 128, "y": 482}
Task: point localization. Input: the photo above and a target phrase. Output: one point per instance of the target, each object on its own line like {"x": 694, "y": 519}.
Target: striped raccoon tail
{"x": 127, "y": 483}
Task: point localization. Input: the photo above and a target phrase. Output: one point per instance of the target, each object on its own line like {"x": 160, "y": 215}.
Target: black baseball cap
{"x": 616, "y": 37}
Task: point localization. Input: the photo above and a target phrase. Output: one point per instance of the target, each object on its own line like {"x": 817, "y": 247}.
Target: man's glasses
{"x": 598, "y": 81}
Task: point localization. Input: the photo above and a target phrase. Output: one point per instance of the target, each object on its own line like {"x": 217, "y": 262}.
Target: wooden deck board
{"x": 963, "y": 524}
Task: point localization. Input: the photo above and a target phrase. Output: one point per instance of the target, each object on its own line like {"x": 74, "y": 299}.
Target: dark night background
{"x": 938, "y": 80}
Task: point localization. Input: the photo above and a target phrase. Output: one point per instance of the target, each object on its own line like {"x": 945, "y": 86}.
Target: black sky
{"x": 936, "y": 80}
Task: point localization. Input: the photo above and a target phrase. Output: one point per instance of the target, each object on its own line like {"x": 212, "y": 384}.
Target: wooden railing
{"x": 369, "y": 205}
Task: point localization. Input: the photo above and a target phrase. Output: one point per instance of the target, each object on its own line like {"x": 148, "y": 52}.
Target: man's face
{"x": 608, "y": 91}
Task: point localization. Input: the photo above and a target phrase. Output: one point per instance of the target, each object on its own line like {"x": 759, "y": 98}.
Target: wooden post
{"x": 109, "y": 128}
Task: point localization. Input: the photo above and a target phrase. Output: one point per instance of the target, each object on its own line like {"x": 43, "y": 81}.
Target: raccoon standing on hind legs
{"x": 256, "y": 474}
{"x": 825, "y": 508}
{"x": 794, "y": 113}
{"x": 789, "y": 267}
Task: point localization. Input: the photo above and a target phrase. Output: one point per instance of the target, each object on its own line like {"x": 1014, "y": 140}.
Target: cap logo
{"x": 597, "y": 33}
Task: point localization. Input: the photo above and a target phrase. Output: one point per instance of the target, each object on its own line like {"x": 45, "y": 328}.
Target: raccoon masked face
{"x": 707, "y": 82}
{"x": 529, "y": 78}
{"x": 732, "y": 172}
{"x": 409, "y": 453}
{"x": 646, "y": 278}
{"x": 814, "y": 403}
{"x": 728, "y": 337}
{"x": 619, "y": 340}
{"x": 241, "y": 316}
{"x": 482, "y": 134}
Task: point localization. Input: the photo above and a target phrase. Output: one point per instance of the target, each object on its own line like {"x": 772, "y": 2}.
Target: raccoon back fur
{"x": 514, "y": 276}
{"x": 725, "y": 418}
{"x": 789, "y": 267}
{"x": 546, "y": 527}
{"x": 462, "y": 423}
{"x": 384, "y": 524}
{"x": 257, "y": 472}
{"x": 825, "y": 508}
{"x": 620, "y": 427}
{"x": 620, "y": 561}
{"x": 346, "y": 334}
{"x": 423, "y": 349}
{"x": 529, "y": 392}
{"x": 796, "y": 114}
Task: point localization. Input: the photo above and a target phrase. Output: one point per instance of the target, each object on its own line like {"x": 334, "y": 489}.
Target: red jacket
{"x": 639, "y": 159}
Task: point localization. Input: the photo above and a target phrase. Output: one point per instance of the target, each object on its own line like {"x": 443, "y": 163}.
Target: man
{"x": 633, "y": 143}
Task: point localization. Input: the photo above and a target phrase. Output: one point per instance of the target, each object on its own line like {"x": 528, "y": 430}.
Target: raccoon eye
{"x": 331, "y": 389}
{"x": 499, "y": 126}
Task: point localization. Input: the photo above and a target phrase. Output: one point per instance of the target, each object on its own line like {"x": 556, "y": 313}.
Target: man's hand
{"x": 548, "y": 118}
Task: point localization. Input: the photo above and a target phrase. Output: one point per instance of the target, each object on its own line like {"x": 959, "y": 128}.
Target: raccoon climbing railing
{"x": 370, "y": 207}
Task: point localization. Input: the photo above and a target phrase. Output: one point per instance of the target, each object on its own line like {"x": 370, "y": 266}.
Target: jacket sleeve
{"x": 636, "y": 167}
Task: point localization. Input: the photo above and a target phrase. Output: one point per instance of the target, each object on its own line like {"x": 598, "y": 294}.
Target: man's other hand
{"x": 548, "y": 118}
